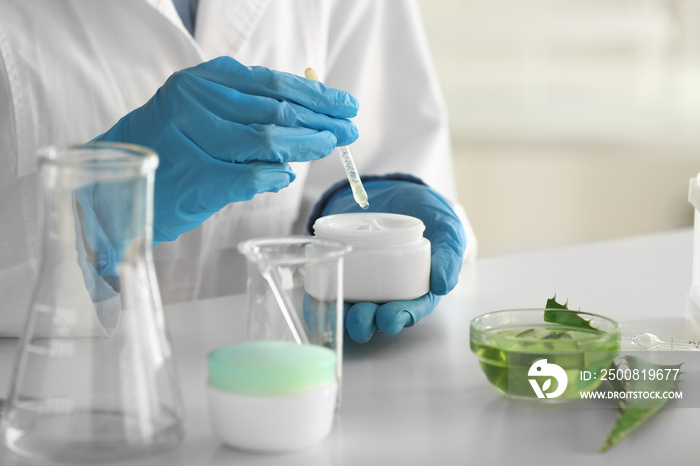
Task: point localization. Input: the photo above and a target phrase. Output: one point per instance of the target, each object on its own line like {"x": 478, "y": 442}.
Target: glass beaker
{"x": 94, "y": 380}
{"x": 295, "y": 291}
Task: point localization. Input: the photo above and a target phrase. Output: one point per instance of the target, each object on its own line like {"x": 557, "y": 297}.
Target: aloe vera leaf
{"x": 526, "y": 333}
{"x": 565, "y": 318}
{"x": 635, "y": 411}
{"x": 557, "y": 336}
{"x": 616, "y": 385}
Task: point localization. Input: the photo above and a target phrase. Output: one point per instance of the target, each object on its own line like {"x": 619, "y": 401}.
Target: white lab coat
{"x": 69, "y": 69}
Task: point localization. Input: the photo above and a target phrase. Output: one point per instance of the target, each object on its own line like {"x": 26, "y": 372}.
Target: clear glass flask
{"x": 94, "y": 379}
{"x": 295, "y": 291}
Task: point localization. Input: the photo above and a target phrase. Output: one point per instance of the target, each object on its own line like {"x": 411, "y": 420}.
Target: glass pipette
{"x": 649, "y": 341}
{"x": 358, "y": 191}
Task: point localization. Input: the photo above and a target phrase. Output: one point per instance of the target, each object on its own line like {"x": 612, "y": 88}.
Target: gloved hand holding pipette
{"x": 225, "y": 132}
{"x": 402, "y": 194}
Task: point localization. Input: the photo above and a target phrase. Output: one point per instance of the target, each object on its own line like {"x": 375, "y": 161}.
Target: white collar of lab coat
{"x": 223, "y": 26}
{"x": 168, "y": 10}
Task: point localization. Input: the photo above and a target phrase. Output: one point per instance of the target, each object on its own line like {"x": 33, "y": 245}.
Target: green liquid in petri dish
{"x": 507, "y": 354}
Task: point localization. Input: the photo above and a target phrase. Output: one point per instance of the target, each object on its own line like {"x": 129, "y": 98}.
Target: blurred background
{"x": 573, "y": 120}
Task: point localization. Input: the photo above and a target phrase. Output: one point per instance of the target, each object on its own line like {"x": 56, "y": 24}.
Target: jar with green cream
{"x": 271, "y": 395}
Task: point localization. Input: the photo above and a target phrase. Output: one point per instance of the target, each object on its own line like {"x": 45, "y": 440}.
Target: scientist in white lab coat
{"x": 226, "y": 133}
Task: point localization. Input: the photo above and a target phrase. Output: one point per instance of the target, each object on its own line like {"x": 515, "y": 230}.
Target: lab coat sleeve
{"x": 18, "y": 205}
{"x": 378, "y": 51}
{"x": 18, "y": 250}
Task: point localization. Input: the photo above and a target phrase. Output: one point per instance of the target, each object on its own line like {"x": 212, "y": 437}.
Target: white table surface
{"x": 420, "y": 397}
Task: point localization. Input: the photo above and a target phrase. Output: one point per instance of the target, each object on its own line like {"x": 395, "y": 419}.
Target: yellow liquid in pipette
{"x": 360, "y": 195}
{"x": 358, "y": 191}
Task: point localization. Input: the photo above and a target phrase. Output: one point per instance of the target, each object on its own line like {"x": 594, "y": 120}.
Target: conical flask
{"x": 94, "y": 379}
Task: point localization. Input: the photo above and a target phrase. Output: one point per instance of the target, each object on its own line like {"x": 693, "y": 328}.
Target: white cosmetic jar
{"x": 390, "y": 258}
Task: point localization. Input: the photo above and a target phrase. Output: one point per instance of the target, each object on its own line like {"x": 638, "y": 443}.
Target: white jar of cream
{"x": 272, "y": 396}
{"x": 390, "y": 258}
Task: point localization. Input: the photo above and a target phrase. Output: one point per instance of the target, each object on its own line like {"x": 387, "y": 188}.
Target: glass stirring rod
{"x": 358, "y": 191}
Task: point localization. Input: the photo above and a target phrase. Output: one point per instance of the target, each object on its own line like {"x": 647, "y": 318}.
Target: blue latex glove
{"x": 402, "y": 194}
{"x": 225, "y": 132}
{"x": 107, "y": 222}
{"x": 103, "y": 236}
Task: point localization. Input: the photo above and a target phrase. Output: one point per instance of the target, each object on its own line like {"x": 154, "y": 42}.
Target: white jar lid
{"x": 371, "y": 229}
